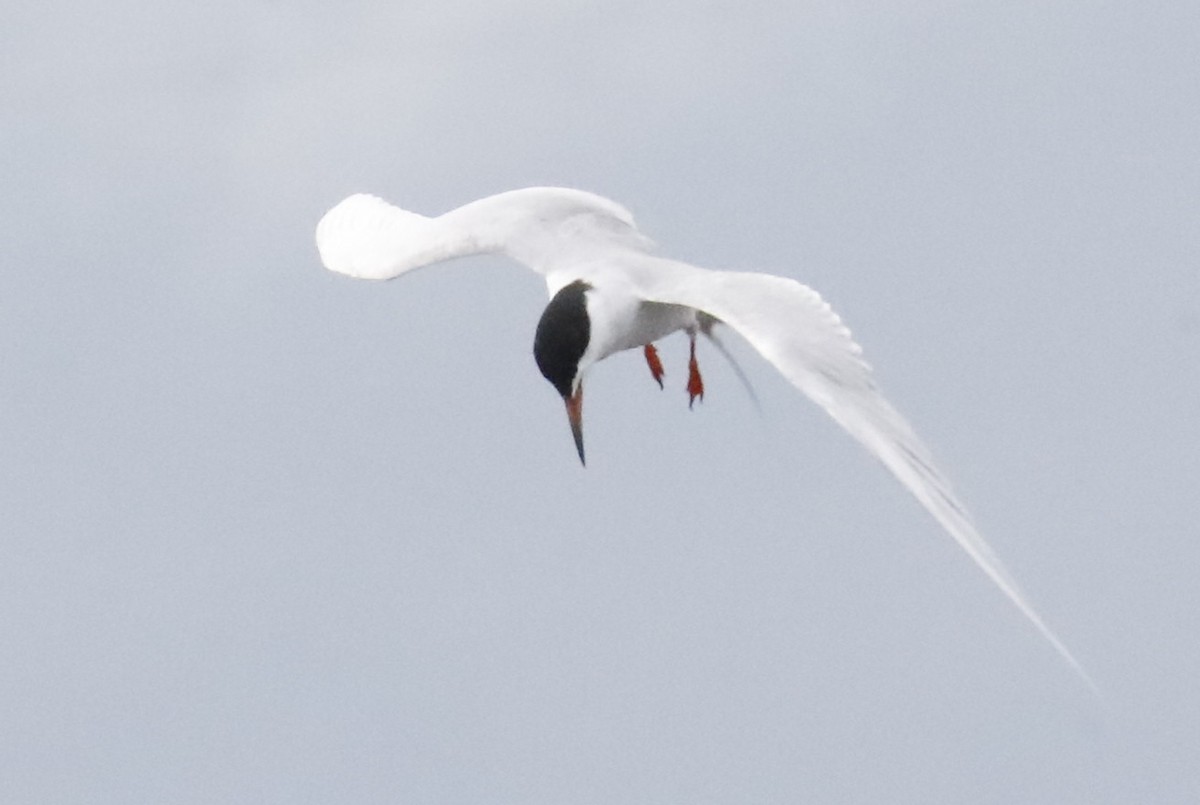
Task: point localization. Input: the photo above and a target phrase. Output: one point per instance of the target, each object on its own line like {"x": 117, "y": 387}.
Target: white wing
{"x": 541, "y": 227}
{"x": 793, "y": 328}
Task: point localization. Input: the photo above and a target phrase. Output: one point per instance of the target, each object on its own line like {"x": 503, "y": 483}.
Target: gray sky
{"x": 272, "y": 535}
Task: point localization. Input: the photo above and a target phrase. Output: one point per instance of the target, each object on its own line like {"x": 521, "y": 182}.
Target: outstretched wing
{"x": 543, "y": 228}
{"x": 799, "y": 334}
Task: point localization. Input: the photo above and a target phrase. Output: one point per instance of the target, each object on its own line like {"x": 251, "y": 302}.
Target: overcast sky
{"x": 272, "y": 535}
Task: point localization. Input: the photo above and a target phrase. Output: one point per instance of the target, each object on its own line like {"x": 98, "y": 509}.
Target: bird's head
{"x": 562, "y": 338}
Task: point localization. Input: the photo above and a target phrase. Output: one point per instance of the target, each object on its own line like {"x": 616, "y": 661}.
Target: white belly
{"x": 621, "y": 321}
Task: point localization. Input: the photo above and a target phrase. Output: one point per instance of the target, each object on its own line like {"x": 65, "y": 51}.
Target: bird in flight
{"x": 610, "y": 291}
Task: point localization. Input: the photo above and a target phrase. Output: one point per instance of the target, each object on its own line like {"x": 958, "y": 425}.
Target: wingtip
{"x": 1070, "y": 659}
{"x": 365, "y": 237}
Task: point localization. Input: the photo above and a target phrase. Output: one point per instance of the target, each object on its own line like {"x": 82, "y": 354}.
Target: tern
{"x": 610, "y": 291}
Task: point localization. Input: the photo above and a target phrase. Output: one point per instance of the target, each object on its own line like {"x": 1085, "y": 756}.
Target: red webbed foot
{"x": 656, "y": 367}
{"x": 695, "y": 384}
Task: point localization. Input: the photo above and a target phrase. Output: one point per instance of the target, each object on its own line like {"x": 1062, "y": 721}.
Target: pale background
{"x": 270, "y": 535}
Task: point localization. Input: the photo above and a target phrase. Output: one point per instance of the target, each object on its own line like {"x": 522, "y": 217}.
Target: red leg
{"x": 695, "y": 385}
{"x": 656, "y": 367}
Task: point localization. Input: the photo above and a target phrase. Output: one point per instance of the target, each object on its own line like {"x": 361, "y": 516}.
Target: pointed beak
{"x": 575, "y": 417}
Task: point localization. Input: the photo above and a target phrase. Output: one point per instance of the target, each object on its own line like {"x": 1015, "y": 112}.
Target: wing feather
{"x": 368, "y": 238}
{"x": 791, "y": 326}
{"x": 543, "y": 228}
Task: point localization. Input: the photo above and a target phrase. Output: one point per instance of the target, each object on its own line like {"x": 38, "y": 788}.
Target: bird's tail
{"x": 707, "y": 325}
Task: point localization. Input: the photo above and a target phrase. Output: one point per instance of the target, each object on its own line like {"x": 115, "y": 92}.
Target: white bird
{"x": 609, "y": 292}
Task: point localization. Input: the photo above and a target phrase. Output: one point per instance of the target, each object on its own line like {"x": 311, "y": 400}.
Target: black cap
{"x": 562, "y": 336}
